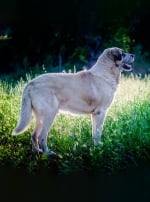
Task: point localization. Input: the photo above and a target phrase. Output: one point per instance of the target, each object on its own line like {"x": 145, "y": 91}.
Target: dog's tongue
{"x": 127, "y": 66}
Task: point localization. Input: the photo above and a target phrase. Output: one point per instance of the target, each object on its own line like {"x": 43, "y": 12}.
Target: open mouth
{"x": 127, "y": 66}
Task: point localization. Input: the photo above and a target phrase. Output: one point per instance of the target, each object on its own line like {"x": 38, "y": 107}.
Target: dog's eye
{"x": 123, "y": 54}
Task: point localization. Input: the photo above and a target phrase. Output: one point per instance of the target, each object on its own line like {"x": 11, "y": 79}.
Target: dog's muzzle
{"x": 127, "y": 61}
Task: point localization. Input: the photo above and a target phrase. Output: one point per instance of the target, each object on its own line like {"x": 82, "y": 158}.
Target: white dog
{"x": 85, "y": 92}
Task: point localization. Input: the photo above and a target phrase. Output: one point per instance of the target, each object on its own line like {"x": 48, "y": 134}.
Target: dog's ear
{"x": 116, "y": 53}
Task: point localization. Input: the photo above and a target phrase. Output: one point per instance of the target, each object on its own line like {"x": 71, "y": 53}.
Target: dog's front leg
{"x": 97, "y": 126}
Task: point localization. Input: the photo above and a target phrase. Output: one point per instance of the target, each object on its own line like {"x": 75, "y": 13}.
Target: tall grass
{"x": 126, "y": 134}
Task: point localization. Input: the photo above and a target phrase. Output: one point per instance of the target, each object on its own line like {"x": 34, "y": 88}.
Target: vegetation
{"x": 126, "y": 134}
{"x": 73, "y": 34}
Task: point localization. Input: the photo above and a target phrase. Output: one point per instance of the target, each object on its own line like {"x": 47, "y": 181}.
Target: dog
{"x": 85, "y": 92}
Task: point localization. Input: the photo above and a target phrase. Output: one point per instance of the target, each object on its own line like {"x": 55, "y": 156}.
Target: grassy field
{"x": 126, "y": 134}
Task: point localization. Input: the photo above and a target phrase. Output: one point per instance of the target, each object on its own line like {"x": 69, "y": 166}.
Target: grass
{"x": 126, "y": 134}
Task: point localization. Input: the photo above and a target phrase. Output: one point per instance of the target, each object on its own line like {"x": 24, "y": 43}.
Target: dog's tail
{"x": 25, "y": 114}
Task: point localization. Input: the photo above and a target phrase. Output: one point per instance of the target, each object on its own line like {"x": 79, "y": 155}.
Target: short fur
{"x": 86, "y": 92}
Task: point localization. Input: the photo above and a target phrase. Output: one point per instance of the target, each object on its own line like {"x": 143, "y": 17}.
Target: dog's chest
{"x": 101, "y": 99}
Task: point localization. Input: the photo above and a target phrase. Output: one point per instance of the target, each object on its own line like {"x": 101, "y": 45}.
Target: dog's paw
{"x": 37, "y": 151}
{"x": 98, "y": 143}
{"x": 49, "y": 152}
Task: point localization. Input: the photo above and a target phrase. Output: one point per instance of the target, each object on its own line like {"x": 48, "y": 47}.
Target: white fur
{"x": 85, "y": 92}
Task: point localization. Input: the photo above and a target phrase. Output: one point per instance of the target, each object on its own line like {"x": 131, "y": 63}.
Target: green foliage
{"x": 126, "y": 134}
{"x": 78, "y": 58}
{"x": 142, "y": 62}
{"x": 120, "y": 38}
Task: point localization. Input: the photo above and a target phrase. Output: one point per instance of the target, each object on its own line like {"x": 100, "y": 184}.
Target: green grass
{"x": 126, "y": 134}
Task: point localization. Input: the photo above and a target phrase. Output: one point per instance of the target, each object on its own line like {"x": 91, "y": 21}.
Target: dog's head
{"x": 121, "y": 59}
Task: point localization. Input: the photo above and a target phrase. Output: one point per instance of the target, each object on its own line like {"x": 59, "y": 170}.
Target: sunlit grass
{"x": 126, "y": 133}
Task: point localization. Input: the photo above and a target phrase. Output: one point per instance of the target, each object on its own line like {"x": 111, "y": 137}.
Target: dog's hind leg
{"x": 47, "y": 117}
{"x": 42, "y": 138}
{"x": 44, "y": 111}
{"x": 35, "y": 134}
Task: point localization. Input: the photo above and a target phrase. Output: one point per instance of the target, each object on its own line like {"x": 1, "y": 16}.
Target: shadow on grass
{"x": 131, "y": 185}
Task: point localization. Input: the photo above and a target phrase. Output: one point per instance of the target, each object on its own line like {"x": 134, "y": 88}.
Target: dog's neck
{"x": 108, "y": 71}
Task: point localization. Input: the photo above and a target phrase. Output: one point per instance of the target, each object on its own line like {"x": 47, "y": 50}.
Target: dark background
{"x": 68, "y": 32}
{"x": 38, "y": 32}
